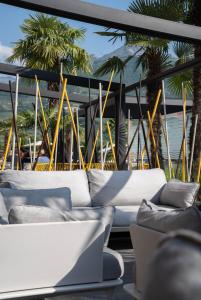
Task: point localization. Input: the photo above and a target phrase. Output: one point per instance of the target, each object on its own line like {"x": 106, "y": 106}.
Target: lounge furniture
{"x": 123, "y": 189}
{"x": 49, "y": 259}
{"x": 175, "y": 270}
{"x": 153, "y": 224}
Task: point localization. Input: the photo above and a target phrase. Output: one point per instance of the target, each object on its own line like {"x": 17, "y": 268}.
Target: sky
{"x": 11, "y": 18}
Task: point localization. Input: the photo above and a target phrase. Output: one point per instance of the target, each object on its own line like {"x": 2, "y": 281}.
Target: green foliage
{"x": 47, "y": 41}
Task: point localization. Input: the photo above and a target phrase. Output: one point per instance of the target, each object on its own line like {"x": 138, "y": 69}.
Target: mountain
{"x": 131, "y": 75}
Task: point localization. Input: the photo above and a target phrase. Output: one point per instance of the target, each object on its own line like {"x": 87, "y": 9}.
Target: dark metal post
{"x": 120, "y": 128}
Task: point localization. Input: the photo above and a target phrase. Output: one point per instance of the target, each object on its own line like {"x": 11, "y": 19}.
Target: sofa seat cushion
{"x": 179, "y": 194}
{"x": 163, "y": 220}
{"x": 113, "y": 265}
{"x": 58, "y": 198}
{"x": 125, "y": 216}
{"x": 121, "y": 188}
{"x": 76, "y": 181}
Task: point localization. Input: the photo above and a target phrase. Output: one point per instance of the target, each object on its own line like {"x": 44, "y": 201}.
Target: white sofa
{"x": 49, "y": 259}
{"x": 123, "y": 189}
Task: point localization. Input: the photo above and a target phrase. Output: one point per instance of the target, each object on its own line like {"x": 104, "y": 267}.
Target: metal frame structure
{"x": 113, "y": 18}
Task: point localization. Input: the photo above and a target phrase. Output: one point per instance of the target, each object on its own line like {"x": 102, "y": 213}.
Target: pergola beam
{"x": 44, "y": 93}
{"x": 24, "y": 72}
{"x": 114, "y": 18}
{"x": 165, "y": 74}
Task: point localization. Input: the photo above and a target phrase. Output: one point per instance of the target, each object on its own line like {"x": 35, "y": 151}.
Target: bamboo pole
{"x": 129, "y": 130}
{"x": 101, "y": 124}
{"x": 103, "y": 111}
{"x": 133, "y": 139}
{"x": 199, "y": 170}
{"x": 7, "y": 148}
{"x": 105, "y": 154}
{"x": 16, "y": 107}
{"x": 166, "y": 130}
{"x": 111, "y": 144}
{"x": 20, "y": 142}
{"x": 30, "y": 151}
{"x": 74, "y": 127}
{"x": 181, "y": 149}
{"x": 166, "y": 143}
{"x": 184, "y": 166}
{"x": 57, "y": 124}
{"x": 35, "y": 123}
{"x": 152, "y": 119}
{"x": 71, "y": 146}
{"x": 15, "y": 125}
{"x": 153, "y": 140}
{"x": 193, "y": 148}
{"x": 43, "y": 113}
{"x": 78, "y": 136}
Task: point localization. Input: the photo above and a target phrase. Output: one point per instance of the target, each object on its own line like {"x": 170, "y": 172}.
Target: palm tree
{"x": 154, "y": 57}
{"x": 183, "y": 53}
{"x": 47, "y": 41}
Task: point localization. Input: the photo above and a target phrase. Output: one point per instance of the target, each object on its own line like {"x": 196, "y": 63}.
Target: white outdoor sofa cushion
{"x": 76, "y": 181}
{"x": 125, "y": 188}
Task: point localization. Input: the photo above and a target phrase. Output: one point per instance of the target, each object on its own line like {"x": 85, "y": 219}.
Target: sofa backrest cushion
{"x": 58, "y": 198}
{"x": 179, "y": 194}
{"x": 123, "y": 188}
{"x": 76, "y": 181}
{"x": 153, "y": 217}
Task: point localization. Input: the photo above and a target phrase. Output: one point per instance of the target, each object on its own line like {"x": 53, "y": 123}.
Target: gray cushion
{"x": 59, "y": 198}
{"x": 179, "y": 194}
{"x": 75, "y": 180}
{"x": 23, "y": 214}
{"x": 121, "y": 188}
{"x": 113, "y": 265}
{"x": 125, "y": 215}
{"x": 105, "y": 214}
{"x": 159, "y": 219}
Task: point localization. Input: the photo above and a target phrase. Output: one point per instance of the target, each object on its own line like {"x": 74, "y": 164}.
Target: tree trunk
{"x": 196, "y": 109}
{"x": 152, "y": 92}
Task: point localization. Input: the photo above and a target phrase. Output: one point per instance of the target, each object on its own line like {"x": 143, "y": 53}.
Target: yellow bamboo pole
{"x": 152, "y": 119}
{"x": 72, "y": 120}
{"x": 199, "y": 170}
{"x": 57, "y": 125}
{"x": 43, "y": 114}
{"x": 7, "y": 148}
{"x": 153, "y": 139}
{"x": 184, "y": 134}
{"x": 98, "y": 132}
{"x": 74, "y": 128}
{"x": 111, "y": 143}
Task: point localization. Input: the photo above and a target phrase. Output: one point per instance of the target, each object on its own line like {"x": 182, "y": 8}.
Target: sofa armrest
{"x": 144, "y": 242}
{"x": 34, "y": 256}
